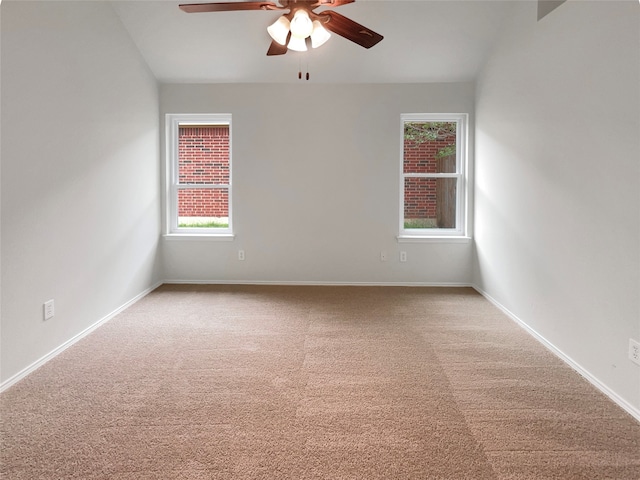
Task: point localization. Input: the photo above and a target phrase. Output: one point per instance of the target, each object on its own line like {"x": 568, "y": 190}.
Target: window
{"x": 433, "y": 183}
{"x": 199, "y": 174}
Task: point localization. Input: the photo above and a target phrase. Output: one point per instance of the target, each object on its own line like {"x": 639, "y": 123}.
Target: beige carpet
{"x": 268, "y": 382}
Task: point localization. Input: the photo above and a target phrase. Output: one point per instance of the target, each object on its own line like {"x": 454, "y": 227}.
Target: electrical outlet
{"x": 634, "y": 351}
{"x": 383, "y": 256}
{"x": 240, "y": 254}
{"x": 403, "y": 256}
{"x": 49, "y": 310}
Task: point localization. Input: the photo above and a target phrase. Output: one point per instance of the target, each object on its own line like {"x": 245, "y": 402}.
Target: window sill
{"x": 432, "y": 239}
{"x": 199, "y": 237}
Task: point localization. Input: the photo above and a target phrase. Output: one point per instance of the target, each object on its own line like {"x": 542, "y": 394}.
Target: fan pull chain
{"x": 300, "y": 70}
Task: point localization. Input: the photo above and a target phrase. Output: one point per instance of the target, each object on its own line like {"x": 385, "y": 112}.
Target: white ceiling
{"x": 424, "y": 41}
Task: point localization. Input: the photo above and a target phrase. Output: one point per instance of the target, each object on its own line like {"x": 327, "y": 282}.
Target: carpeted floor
{"x": 285, "y": 382}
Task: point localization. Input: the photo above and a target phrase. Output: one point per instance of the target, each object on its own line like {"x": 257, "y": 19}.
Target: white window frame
{"x": 439, "y": 234}
{"x": 173, "y": 122}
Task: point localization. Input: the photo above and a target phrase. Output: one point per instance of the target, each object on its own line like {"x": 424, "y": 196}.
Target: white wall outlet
{"x": 634, "y": 351}
{"x": 383, "y": 256}
{"x": 403, "y": 256}
{"x": 240, "y": 254}
{"x": 49, "y": 310}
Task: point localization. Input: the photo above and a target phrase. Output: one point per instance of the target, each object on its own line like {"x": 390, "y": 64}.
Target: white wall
{"x": 80, "y": 174}
{"x": 316, "y": 184}
{"x": 558, "y": 183}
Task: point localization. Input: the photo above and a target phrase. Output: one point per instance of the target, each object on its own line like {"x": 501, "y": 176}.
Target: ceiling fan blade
{"x": 333, "y": 3}
{"x": 227, "y": 6}
{"x": 349, "y": 29}
{"x": 276, "y": 49}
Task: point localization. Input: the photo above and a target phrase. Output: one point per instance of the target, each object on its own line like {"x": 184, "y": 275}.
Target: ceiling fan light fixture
{"x": 298, "y": 44}
{"x": 279, "y": 30}
{"x": 291, "y": 30}
{"x": 301, "y": 25}
{"x": 320, "y": 35}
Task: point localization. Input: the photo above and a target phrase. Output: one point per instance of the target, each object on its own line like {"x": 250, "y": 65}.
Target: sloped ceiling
{"x": 424, "y": 41}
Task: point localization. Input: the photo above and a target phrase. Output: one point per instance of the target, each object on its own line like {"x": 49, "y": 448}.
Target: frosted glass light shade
{"x": 279, "y": 30}
{"x": 301, "y": 25}
{"x": 319, "y": 35}
{"x": 297, "y": 43}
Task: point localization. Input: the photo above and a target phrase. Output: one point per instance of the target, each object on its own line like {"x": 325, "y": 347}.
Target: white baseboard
{"x": 318, "y": 283}
{"x": 621, "y": 402}
{"x": 38, "y": 363}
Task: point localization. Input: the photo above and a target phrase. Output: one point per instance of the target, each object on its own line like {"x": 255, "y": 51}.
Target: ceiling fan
{"x": 300, "y": 25}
